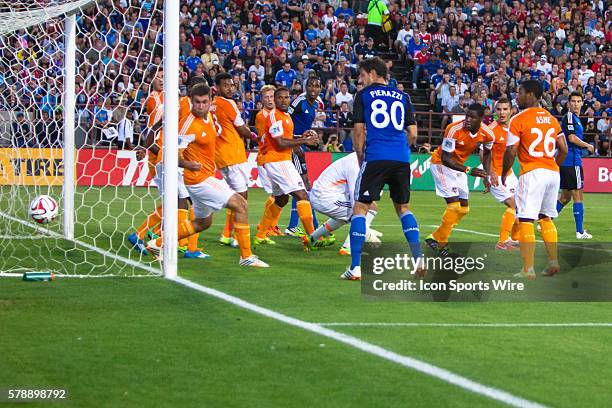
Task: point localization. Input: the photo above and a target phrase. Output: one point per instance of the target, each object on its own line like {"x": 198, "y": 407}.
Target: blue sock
{"x": 559, "y": 206}
{"x": 358, "y": 235}
{"x": 411, "y": 232}
{"x": 293, "y": 219}
{"x": 579, "y": 216}
{"x": 314, "y": 219}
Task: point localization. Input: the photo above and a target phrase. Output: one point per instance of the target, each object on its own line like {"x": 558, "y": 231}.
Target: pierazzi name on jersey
{"x": 385, "y": 92}
{"x": 405, "y": 285}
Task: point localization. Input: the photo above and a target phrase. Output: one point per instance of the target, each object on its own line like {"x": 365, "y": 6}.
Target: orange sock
{"x": 277, "y": 217}
{"x": 549, "y": 235}
{"x": 304, "y": 211}
{"x": 243, "y": 236}
{"x": 229, "y": 224}
{"x": 449, "y": 219}
{"x": 516, "y": 230}
{"x": 269, "y": 202}
{"x": 507, "y": 224}
{"x": 192, "y": 241}
{"x": 152, "y": 220}
{"x": 271, "y": 213}
{"x": 527, "y": 244}
{"x": 182, "y": 216}
{"x": 185, "y": 229}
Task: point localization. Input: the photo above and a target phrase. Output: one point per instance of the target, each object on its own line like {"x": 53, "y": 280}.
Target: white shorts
{"x": 263, "y": 179}
{"x": 339, "y": 207}
{"x": 237, "y": 176}
{"x": 449, "y": 182}
{"x": 283, "y": 177}
{"x": 159, "y": 181}
{"x": 501, "y": 192}
{"x": 537, "y": 194}
{"x": 209, "y": 196}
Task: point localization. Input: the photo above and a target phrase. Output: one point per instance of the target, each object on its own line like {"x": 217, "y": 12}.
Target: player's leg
{"x": 237, "y": 177}
{"x": 371, "y": 234}
{"x": 547, "y": 212}
{"x": 299, "y": 161}
{"x": 578, "y": 198}
{"x": 304, "y": 210}
{"x": 505, "y": 195}
{"x": 568, "y": 183}
{"x": 447, "y": 186}
{"x": 337, "y": 208}
{"x": 238, "y": 204}
{"x": 193, "y": 251}
{"x": 183, "y": 214}
{"x": 270, "y": 215}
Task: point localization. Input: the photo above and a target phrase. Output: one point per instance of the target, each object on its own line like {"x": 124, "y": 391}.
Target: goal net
{"x": 104, "y": 193}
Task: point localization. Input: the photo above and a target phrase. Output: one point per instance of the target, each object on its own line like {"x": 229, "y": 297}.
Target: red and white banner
{"x": 597, "y": 175}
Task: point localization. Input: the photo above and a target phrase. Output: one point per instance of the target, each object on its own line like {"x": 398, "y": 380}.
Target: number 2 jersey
{"x": 386, "y": 113}
{"x": 535, "y": 131}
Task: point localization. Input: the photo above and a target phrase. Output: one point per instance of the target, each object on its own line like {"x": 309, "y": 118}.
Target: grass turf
{"x": 150, "y": 342}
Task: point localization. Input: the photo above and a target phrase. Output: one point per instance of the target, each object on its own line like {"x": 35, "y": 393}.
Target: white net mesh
{"x": 118, "y": 53}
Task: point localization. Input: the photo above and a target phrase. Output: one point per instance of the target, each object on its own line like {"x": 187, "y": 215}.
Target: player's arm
{"x": 569, "y": 130}
{"x": 561, "y": 149}
{"x": 448, "y": 147}
{"x": 311, "y": 140}
{"x": 411, "y": 123}
{"x": 359, "y": 131}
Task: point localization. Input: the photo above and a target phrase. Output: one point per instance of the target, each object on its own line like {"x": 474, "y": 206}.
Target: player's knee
{"x": 281, "y": 201}
{"x": 463, "y": 210}
{"x": 300, "y": 195}
{"x": 238, "y": 204}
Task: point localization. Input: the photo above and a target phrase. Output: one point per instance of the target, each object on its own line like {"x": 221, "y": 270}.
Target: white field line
{"x": 23, "y": 237}
{"x": 460, "y": 325}
{"x": 409, "y": 362}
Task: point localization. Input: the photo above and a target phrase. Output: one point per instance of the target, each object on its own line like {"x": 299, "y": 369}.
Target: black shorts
{"x": 299, "y": 163}
{"x": 374, "y": 175}
{"x": 572, "y": 177}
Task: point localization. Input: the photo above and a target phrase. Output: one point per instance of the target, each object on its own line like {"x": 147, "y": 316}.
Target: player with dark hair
{"x": 572, "y": 176}
{"x": 303, "y": 111}
{"x": 381, "y": 114}
{"x": 461, "y": 139}
{"x": 535, "y": 135}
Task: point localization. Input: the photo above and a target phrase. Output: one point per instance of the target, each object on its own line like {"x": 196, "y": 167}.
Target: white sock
{"x": 369, "y": 218}
{"x": 327, "y": 228}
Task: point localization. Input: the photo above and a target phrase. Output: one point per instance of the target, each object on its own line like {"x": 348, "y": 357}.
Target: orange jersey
{"x": 535, "y": 131}
{"x": 154, "y": 101}
{"x": 278, "y": 124}
{"x": 499, "y": 147}
{"x": 229, "y": 147}
{"x": 461, "y": 142}
{"x": 202, "y": 134}
{"x": 260, "y": 125}
{"x": 155, "y": 116}
{"x": 184, "y": 108}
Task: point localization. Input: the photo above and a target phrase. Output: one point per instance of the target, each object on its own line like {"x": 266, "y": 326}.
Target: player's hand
{"x": 140, "y": 153}
{"x": 192, "y": 165}
{"x": 503, "y": 179}
{"x": 493, "y": 179}
{"x": 591, "y": 149}
{"x": 487, "y": 186}
{"x": 476, "y": 172}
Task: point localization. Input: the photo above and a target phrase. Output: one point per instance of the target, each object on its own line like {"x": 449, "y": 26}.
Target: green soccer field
{"x": 151, "y": 342}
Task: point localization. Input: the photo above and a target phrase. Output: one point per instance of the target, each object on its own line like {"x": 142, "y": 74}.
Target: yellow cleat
{"x": 345, "y": 251}
{"x": 262, "y": 241}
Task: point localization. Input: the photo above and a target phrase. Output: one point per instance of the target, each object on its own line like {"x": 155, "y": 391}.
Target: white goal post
{"x": 51, "y": 35}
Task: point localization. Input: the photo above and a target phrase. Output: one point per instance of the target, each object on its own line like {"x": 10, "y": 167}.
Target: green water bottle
{"x": 38, "y": 276}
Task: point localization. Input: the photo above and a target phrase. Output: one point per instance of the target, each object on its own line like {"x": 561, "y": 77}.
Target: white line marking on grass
{"x": 103, "y": 252}
{"x": 409, "y": 362}
{"x": 22, "y": 237}
{"x": 486, "y": 325}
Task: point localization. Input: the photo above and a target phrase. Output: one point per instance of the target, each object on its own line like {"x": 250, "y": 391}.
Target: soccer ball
{"x": 43, "y": 209}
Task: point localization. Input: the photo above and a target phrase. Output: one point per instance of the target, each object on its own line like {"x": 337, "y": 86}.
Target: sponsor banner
{"x": 597, "y": 175}
{"x": 29, "y": 167}
{"x": 111, "y": 167}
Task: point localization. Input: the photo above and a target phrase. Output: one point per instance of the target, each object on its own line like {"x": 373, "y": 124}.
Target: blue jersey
{"x": 303, "y": 113}
{"x": 386, "y": 113}
{"x": 571, "y": 125}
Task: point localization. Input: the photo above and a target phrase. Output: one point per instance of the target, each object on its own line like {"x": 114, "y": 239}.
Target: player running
{"x": 230, "y": 155}
{"x": 333, "y": 194}
{"x": 267, "y": 99}
{"x": 208, "y": 193}
{"x": 461, "y": 139}
{"x": 503, "y": 194}
{"x": 384, "y": 113}
{"x": 303, "y": 111}
{"x": 572, "y": 177}
{"x": 283, "y": 177}
{"x": 535, "y": 135}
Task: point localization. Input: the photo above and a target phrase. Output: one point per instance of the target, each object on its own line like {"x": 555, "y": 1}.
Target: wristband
{"x": 467, "y": 169}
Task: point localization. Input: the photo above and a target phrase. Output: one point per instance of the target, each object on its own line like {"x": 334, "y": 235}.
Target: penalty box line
{"x": 463, "y": 325}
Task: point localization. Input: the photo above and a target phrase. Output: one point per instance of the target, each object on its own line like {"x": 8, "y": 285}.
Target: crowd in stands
{"x": 459, "y": 51}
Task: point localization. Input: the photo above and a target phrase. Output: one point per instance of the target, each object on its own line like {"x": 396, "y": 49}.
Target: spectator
{"x": 22, "y": 132}
{"x": 449, "y": 101}
{"x": 344, "y": 96}
{"x": 345, "y": 121}
{"x": 332, "y": 145}
{"x": 286, "y": 76}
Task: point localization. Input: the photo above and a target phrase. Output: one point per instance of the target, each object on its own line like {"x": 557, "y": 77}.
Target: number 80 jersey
{"x": 535, "y": 131}
{"x": 386, "y": 113}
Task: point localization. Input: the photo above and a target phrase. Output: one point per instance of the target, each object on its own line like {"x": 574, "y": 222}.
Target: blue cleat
{"x": 196, "y": 255}
{"x": 137, "y": 244}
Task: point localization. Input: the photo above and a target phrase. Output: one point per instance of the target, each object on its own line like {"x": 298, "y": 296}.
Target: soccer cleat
{"x": 137, "y": 244}
{"x": 377, "y": 234}
{"x": 226, "y": 240}
{"x": 263, "y": 241}
{"x": 310, "y": 245}
{"x": 432, "y": 243}
{"x": 253, "y": 261}
{"x": 552, "y": 269}
{"x": 234, "y": 243}
{"x": 181, "y": 249}
{"x": 154, "y": 249}
{"x": 275, "y": 232}
{"x": 295, "y": 232}
{"x": 583, "y": 235}
{"x": 345, "y": 251}
{"x": 352, "y": 274}
{"x": 151, "y": 235}
{"x": 530, "y": 274}
{"x": 507, "y": 245}
{"x": 197, "y": 254}
{"x": 331, "y": 239}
